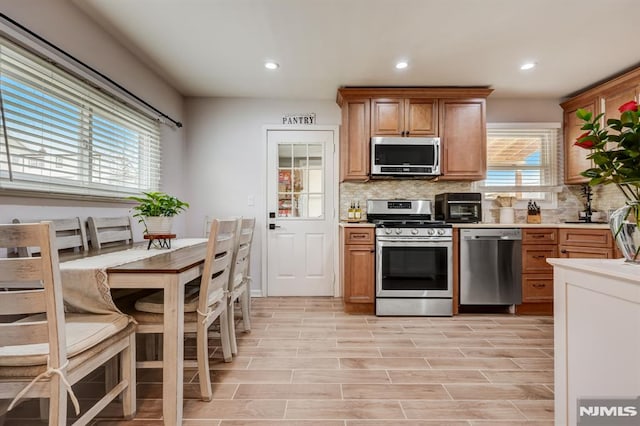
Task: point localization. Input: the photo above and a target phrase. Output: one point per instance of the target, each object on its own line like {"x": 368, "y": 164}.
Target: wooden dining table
{"x": 169, "y": 271}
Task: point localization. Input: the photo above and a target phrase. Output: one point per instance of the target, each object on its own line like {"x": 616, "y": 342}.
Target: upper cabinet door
{"x": 612, "y": 99}
{"x": 404, "y": 117}
{"x": 354, "y": 141}
{"x": 421, "y": 117}
{"x": 387, "y": 117}
{"x": 575, "y": 158}
{"x": 463, "y": 135}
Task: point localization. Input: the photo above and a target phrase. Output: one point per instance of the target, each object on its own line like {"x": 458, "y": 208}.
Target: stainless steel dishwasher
{"x": 490, "y": 266}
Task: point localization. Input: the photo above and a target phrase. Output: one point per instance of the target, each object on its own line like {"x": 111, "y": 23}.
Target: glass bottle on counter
{"x": 358, "y": 212}
{"x": 352, "y": 211}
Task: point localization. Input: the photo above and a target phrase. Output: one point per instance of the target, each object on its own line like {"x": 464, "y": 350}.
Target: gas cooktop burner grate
{"x": 413, "y": 223}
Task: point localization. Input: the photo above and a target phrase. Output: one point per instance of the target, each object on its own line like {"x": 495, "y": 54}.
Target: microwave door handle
{"x": 437, "y": 162}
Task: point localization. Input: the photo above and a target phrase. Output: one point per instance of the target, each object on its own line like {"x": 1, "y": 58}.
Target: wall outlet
{"x": 251, "y": 200}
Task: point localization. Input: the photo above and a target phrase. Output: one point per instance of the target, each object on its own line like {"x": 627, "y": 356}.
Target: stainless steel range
{"x": 413, "y": 259}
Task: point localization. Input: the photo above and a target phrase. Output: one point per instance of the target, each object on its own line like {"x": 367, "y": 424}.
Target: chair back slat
{"x": 26, "y": 333}
{"x": 43, "y": 268}
{"x": 240, "y": 265}
{"x": 22, "y": 302}
{"x": 109, "y": 230}
{"x": 70, "y": 234}
{"x": 217, "y": 265}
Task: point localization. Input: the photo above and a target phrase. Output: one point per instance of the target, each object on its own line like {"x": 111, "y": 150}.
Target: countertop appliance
{"x": 490, "y": 266}
{"x": 397, "y": 156}
{"x": 413, "y": 259}
{"x": 459, "y": 207}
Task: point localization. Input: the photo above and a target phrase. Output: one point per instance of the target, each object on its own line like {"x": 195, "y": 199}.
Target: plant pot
{"x": 624, "y": 226}
{"x": 158, "y": 225}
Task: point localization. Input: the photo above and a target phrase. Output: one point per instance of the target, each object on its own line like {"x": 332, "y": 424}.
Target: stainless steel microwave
{"x": 397, "y": 156}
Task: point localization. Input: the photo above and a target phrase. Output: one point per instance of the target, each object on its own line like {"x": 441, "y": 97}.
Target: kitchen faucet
{"x": 588, "y": 195}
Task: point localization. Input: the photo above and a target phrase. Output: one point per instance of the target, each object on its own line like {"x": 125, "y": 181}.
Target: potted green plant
{"x": 615, "y": 152}
{"x": 156, "y": 210}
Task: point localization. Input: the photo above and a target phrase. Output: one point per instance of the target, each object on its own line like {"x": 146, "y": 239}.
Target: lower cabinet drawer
{"x": 534, "y": 258}
{"x": 537, "y": 288}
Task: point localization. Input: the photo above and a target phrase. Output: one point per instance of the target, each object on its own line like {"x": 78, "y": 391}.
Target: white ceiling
{"x": 218, "y": 47}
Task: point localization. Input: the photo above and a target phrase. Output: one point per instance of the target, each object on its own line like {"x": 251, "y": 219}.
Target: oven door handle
{"x": 403, "y": 241}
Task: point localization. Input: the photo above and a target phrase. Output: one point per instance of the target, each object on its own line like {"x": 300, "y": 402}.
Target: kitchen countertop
{"x": 500, "y": 225}
{"x": 532, "y": 225}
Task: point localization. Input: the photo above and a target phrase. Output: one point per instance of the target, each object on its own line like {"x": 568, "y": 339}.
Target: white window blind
{"x": 61, "y": 135}
{"x": 522, "y": 160}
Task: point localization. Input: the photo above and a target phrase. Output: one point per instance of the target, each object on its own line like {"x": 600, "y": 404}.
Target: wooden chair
{"x": 110, "y": 231}
{"x": 70, "y": 234}
{"x": 45, "y": 352}
{"x": 203, "y": 304}
{"x": 240, "y": 281}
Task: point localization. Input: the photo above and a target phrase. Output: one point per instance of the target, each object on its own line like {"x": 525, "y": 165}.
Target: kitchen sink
{"x": 582, "y": 222}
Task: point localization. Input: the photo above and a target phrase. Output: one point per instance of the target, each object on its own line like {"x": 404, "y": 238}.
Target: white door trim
{"x": 337, "y": 291}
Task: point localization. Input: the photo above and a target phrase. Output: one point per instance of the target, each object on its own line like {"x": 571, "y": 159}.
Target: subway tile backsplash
{"x": 570, "y": 200}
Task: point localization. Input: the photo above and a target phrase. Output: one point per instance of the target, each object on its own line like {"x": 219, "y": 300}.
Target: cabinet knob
{"x": 563, "y": 251}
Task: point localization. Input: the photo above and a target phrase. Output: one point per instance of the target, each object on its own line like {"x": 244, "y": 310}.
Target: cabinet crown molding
{"x": 630, "y": 77}
{"x": 412, "y": 92}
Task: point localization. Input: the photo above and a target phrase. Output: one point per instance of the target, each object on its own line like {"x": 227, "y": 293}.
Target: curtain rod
{"x": 90, "y": 68}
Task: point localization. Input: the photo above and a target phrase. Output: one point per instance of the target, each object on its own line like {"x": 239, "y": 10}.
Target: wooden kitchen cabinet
{"x": 586, "y": 243}
{"x": 404, "y": 117}
{"x": 358, "y": 269}
{"x": 575, "y": 158}
{"x": 463, "y": 139}
{"x": 538, "y": 244}
{"x": 355, "y": 156}
{"x": 603, "y": 98}
{"x": 457, "y": 115}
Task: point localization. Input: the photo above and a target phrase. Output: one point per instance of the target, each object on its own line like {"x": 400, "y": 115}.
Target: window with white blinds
{"x": 60, "y": 135}
{"x": 522, "y": 160}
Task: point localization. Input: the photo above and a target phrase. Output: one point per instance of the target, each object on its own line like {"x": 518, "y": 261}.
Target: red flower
{"x": 585, "y": 144}
{"x": 629, "y": 106}
{"x": 588, "y": 144}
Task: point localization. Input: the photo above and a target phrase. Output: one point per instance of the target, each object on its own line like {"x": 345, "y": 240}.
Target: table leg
{"x": 173, "y": 352}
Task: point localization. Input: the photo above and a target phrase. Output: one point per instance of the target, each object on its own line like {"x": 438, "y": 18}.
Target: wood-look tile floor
{"x": 305, "y": 362}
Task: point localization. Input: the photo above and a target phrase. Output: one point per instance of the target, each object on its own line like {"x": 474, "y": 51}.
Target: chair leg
{"x": 128, "y": 373}
{"x": 202, "y": 351}
{"x": 231, "y": 328}
{"x": 58, "y": 402}
{"x": 224, "y": 336}
{"x": 245, "y": 300}
{"x": 111, "y": 376}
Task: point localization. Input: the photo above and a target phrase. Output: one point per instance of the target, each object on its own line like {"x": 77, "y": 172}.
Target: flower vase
{"x": 624, "y": 226}
{"x": 158, "y": 225}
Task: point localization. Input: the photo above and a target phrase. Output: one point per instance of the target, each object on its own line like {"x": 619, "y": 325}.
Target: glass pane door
{"x": 300, "y": 180}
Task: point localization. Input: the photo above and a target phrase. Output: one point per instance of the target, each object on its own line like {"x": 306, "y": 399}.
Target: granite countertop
{"x": 617, "y": 268}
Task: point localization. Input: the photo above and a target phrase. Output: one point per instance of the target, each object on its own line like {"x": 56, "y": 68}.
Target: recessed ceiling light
{"x": 270, "y": 65}
{"x": 402, "y": 65}
{"x": 527, "y": 66}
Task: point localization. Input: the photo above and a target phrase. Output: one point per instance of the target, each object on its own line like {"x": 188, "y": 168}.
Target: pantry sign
{"x": 309, "y": 118}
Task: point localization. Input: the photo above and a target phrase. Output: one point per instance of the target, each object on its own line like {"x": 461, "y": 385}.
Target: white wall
{"x": 226, "y": 159}
{"x": 66, "y": 26}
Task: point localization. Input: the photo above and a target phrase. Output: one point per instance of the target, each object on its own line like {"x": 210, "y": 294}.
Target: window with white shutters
{"x": 522, "y": 161}
{"x": 61, "y": 135}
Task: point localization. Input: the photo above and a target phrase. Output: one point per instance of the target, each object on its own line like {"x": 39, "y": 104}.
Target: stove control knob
{"x": 430, "y": 231}
{"x": 414, "y": 231}
{"x": 398, "y": 231}
{"x": 440, "y": 231}
{"x": 387, "y": 231}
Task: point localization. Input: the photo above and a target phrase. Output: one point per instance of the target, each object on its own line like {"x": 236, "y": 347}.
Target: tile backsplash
{"x": 570, "y": 200}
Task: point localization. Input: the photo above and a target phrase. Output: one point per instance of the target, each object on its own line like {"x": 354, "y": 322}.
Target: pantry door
{"x": 300, "y": 212}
